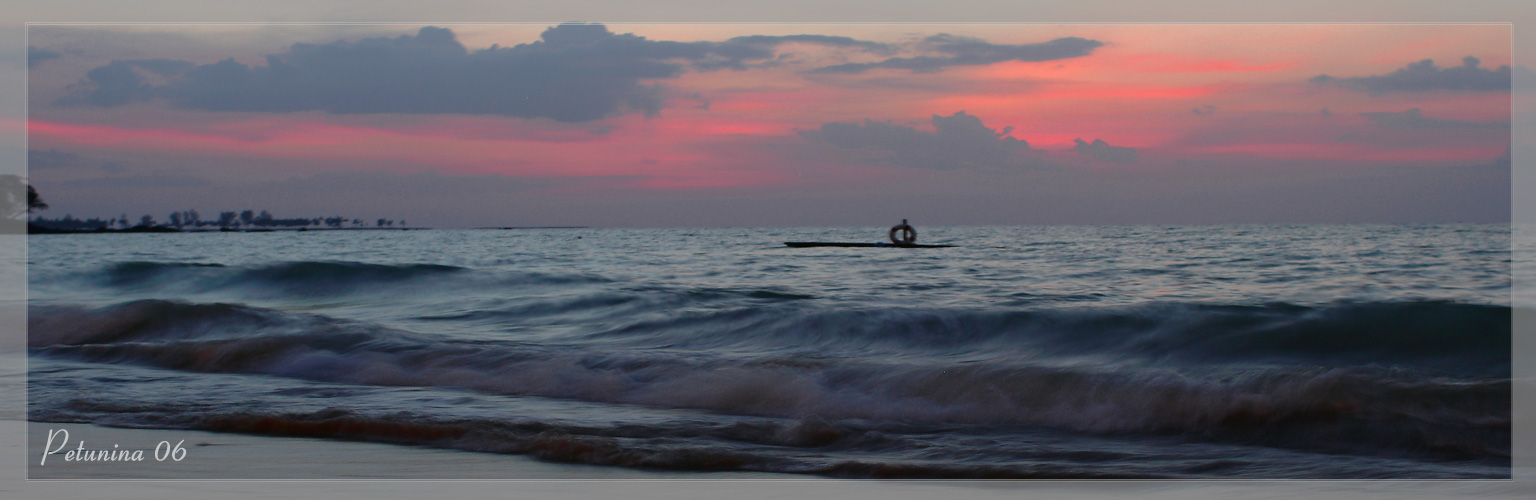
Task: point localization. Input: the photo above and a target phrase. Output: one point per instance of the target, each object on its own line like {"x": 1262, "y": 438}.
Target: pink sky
{"x": 1231, "y": 98}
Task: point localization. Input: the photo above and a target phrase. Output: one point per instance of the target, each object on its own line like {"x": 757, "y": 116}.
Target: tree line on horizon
{"x": 12, "y": 207}
{"x": 190, "y": 219}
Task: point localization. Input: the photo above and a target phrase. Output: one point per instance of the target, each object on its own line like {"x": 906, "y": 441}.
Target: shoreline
{"x": 35, "y": 229}
{"x": 232, "y": 456}
{"x": 583, "y": 482}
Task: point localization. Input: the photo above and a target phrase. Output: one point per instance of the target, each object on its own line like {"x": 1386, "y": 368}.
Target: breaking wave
{"x": 303, "y": 277}
{"x": 1398, "y": 396}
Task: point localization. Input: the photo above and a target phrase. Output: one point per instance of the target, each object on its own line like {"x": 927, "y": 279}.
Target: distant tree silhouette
{"x": 34, "y": 202}
{"x": 69, "y": 222}
{"x": 10, "y": 207}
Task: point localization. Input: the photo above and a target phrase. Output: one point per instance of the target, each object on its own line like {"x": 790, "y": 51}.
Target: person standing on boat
{"x": 903, "y": 234}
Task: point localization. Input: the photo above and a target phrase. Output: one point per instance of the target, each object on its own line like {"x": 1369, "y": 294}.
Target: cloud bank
{"x": 574, "y": 73}
{"x": 37, "y": 158}
{"x": 139, "y": 181}
{"x": 1102, "y": 151}
{"x": 36, "y": 56}
{"x": 959, "y": 141}
{"x": 1413, "y": 119}
{"x": 965, "y": 51}
{"x": 1424, "y": 76}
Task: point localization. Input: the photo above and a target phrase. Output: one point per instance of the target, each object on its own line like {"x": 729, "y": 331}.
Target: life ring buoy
{"x": 903, "y": 234}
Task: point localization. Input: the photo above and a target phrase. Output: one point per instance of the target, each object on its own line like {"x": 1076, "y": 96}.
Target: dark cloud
{"x": 1203, "y": 110}
{"x": 703, "y": 103}
{"x": 959, "y": 141}
{"x": 36, "y": 56}
{"x": 761, "y": 46}
{"x": 37, "y": 158}
{"x": 1326, "y": 113}
{"x": 574, "y": 73}
{"x": 373, "y": 184}
{"x": 1413, "y": 119}
{"x": 1424, "y": 76}
{"x": 1102, "y": 151}
{"x": 53, "y": 158}
{"x": 122, "y": 82}
{"x": 964, "y": 51}
{"x": 830, "y": 41}
{"x": 140, "y": 181}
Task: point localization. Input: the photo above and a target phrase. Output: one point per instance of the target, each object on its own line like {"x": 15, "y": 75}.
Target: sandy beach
{"x": 236, "y": 456}
{"x": 378, "y": 471}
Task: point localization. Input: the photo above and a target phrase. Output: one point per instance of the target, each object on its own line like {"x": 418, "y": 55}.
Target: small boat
{"x": 902, "y": 236}
{"x": 805, "y": 244}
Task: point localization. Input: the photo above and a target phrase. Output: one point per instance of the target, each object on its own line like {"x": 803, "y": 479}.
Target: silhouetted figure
{"x": 903, "y": 234}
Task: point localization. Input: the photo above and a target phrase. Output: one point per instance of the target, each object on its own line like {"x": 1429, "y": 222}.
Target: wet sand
{"x": 372, "y": 471}
{"x": 212, "y": 455}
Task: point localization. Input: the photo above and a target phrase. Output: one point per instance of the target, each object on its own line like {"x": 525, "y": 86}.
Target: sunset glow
{"x": 719, "y": 111}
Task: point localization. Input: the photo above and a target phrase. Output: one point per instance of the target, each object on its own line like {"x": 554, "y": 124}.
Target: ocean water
{"x": 1070, "y": 352}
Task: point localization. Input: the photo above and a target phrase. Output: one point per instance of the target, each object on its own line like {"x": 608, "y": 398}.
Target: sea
{"x": 1036, "y": 352}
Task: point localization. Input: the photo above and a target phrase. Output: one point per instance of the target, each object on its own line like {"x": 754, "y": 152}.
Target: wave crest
{"x": 1300, "y": 406}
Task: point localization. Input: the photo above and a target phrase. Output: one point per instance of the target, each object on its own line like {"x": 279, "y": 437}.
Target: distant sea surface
{"x": 1071, "y": 352}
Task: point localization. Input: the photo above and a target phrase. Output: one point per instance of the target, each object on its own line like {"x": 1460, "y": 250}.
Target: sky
{"x": 472, "y": 125}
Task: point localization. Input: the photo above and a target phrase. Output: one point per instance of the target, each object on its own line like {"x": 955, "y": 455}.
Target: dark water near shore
{"x": 1029, "y": 352}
